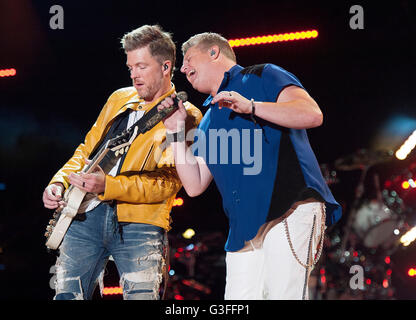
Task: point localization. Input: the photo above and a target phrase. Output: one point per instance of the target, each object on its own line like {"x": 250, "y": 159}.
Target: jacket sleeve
{"x": 144, "y": 187}
{"x": 76, "y": 162}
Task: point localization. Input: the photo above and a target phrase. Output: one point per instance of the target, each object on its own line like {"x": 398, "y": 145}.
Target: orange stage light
{"x": 300, "y": 35}
{"x": 405, "y": 185}
{"x": 7, "y": 72}
{"x": 112, "y": 290}
{"x": 178, "y": 202}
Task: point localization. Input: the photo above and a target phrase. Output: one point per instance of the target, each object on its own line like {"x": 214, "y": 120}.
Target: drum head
{"x": 375, "y": 224}
{"x": 381, "y": 234}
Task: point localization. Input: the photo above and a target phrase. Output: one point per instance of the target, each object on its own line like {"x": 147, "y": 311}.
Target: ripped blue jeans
{"x": 137, "y": 249}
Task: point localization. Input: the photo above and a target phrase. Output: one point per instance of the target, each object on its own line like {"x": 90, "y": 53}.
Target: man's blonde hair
{"x": 160, "y": 43}
{"x": 204, "y": 41}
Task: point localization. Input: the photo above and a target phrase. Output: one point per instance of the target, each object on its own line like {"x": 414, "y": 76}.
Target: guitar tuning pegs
{"x": 116, "y": 153}
{"x": 121, "y": 151}
{"x": 126, "y": 149}
{"x": 47, "y": 234}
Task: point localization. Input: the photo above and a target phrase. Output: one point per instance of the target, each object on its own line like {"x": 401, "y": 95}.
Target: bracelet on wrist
{"x": 253, "y": 110}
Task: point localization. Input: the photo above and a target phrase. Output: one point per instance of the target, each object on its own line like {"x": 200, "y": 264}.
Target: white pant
{"x": 272, "y": 272}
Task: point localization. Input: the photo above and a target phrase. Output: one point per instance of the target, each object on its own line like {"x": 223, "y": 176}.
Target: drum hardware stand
{"x": 359, "y": 191}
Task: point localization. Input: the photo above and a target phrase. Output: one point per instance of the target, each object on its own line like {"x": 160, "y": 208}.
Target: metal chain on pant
{"x": 314, "y": 261}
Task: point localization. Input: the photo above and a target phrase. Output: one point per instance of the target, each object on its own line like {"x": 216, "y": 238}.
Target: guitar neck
{"x": 96, "y": 160}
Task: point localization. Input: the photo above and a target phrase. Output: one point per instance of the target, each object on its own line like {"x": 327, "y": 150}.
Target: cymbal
{"x": 361, "y": 159}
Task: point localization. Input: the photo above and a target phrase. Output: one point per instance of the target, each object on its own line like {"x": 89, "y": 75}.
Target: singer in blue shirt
{"x": 253, "y": 143}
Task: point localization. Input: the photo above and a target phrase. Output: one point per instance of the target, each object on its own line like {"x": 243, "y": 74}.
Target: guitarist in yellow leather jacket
{"x": 126, "y": 212}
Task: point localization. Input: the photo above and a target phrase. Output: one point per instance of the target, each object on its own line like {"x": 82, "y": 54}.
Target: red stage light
{"x": 7, "y": 72}
{"x": 301, "y": 35}
{"x": 387, "y": 260}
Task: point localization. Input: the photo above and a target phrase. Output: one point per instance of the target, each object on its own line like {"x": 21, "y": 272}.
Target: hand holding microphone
{"x": 176, "y": 121}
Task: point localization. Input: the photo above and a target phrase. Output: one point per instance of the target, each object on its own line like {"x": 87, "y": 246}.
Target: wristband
{"x": 176, "y": 136}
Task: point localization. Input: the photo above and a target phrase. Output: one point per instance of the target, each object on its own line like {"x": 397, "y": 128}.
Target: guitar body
{"x": 58, "y": 226}
{"x": 73, "y": 196}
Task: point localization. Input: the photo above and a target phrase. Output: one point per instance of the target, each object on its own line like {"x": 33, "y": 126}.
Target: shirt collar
{"x": 227, "y": 76}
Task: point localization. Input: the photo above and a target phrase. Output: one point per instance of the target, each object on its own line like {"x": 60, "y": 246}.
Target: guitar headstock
{"x": 121, "y": 143}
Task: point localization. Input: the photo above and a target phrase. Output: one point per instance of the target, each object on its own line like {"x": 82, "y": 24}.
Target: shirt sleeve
{"x": 275, "y": 79}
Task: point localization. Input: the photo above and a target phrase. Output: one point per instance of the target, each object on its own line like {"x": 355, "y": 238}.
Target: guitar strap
{"x": 118, "y": 126}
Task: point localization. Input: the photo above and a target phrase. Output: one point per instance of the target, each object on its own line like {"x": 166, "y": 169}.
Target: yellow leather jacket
{"x": 148, "y": 182}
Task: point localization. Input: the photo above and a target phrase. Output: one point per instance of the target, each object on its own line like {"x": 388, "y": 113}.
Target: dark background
{"x": 363, "y": 80}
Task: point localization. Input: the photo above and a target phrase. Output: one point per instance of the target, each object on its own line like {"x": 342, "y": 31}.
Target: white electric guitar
{"x": 105, "y": 158}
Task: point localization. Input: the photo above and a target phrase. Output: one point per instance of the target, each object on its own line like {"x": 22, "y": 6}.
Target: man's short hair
{"x": 208, "y": 39}
{"x": 160, "y": 42}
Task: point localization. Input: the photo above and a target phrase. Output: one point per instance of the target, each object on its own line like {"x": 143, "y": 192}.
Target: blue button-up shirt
{"x": 243, "y": 155}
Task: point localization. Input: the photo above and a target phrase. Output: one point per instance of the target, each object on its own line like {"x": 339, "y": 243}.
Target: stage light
{"x": 406, "y": 147}
{"x": 178, "y": 202}
{"x": 411, "y": 272}
{"x": 408, "y": 237}
{"x": 405, "y": 185}
{"x": 189, "y": 233}
{"x": 112, "y": 291}
{"x": 7, "y": 72}
{"x": 249, "y": 41}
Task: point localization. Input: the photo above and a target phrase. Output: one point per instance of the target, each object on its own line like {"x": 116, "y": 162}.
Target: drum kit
{"x": 357, "y": 264}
